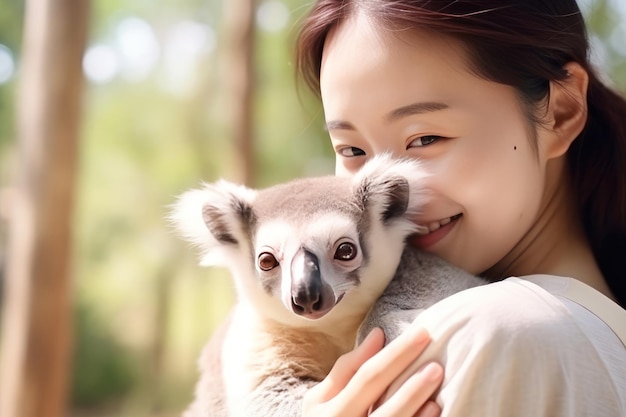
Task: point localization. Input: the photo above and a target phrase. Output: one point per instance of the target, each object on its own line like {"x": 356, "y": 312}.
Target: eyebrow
{"x": 399, "y": 113}
{"x": 416, "y": 108}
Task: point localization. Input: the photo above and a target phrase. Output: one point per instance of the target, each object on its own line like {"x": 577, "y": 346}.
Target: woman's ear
{"x": 567, "y": 110}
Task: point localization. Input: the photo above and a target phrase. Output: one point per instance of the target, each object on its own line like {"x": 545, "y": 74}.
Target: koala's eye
{"x": 267, "y": 261}
{"x": 345, "y": 252}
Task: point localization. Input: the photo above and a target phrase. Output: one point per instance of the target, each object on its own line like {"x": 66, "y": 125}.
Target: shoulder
{"x": 516, "y": 341}
{"x": 512, "y": 306}
{"x": 532, "y": 306}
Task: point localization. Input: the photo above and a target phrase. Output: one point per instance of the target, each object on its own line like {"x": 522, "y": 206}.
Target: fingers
{"x": 371, "y": 380}
{"x": 360, "y": 377}
{"x": 345, "y": 367}
{"x": 430, "y": 409}
{"x": 412, "y": 397}
{"x": 349, "y": 364}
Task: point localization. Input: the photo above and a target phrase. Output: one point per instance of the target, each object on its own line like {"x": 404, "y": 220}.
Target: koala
{"x": 316, "y": 264}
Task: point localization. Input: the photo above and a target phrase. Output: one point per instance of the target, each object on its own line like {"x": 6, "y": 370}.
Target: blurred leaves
{"x": 11, "y": 19}
{"x": 606, "y": 21}
{"x": 11, "y": 16}
{"x": 103, "y": 369}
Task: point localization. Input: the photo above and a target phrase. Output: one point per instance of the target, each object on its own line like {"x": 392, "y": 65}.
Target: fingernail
{"x": 374, "y": 333}
{"x": 432, "y": 372}
{"x": 420, "y": 335}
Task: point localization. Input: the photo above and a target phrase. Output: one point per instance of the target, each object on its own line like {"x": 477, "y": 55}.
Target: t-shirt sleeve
{"x": 513, "y": 349}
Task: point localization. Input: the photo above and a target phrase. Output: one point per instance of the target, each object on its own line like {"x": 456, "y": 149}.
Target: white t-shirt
{"x": 520, "y": 348}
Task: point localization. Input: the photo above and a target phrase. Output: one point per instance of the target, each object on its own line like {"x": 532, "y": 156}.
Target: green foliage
{"x": 11, "y": 21}
{"x": 11, "y": 18}
{"x": 7, "y": 124}
{"x": 103, "y": 370}
{"x": 608, "y": 32}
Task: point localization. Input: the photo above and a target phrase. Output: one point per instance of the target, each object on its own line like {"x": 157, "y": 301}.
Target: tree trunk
{"x": 238, "y": 76}
{"x": 37, "y": 325}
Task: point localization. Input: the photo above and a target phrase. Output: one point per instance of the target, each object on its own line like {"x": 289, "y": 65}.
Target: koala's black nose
{"x": 306, "y": 284}
{"x": 306, "y": 302}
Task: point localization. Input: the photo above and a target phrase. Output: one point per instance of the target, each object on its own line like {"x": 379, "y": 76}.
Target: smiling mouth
{"x": 425, "y": 229}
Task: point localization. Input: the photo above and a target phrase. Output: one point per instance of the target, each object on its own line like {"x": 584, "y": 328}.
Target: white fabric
{"x": 520, "y": 348}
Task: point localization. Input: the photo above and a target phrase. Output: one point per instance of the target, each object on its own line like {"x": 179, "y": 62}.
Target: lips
{"x": 433, "y": 232}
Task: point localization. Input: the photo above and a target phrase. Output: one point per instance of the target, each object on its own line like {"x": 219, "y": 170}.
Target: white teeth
{"x": 434, "y": 226}
{"x": 431, "y": 227}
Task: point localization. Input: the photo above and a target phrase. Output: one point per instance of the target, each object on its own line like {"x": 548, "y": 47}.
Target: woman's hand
{"x": 359, "y": 379}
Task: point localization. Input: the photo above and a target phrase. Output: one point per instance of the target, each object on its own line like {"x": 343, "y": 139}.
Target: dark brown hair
{"x": 524, "y": 44}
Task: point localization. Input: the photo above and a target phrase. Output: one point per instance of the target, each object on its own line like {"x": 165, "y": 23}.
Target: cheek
{"x": 497, "y": 158}
{"x": 499, "y": 193}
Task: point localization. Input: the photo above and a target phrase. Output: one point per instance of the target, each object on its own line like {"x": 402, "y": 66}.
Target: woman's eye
{"x": 424, "y": 140}
{"x": 351, "y": 151}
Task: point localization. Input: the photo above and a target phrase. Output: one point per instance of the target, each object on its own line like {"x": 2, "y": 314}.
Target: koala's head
{"x": 305, "y": 246}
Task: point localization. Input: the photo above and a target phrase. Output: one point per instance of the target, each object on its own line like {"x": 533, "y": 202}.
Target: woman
{"x": 528, "y": 152}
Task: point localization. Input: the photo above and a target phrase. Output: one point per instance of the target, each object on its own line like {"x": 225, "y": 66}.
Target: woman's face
{"x": 411, "y": 94}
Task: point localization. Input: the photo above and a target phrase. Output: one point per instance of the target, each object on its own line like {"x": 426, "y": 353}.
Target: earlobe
{"x": 567, "y": 110}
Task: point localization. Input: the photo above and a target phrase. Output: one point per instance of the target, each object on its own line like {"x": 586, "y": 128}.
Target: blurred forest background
{"x": 157, "y": 118}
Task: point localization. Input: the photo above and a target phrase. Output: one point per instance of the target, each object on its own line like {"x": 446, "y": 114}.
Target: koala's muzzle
{"x": 311, "y": 297}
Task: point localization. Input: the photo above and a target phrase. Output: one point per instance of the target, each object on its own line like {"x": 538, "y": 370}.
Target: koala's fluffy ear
{"x": 216, "y": 218}
{"x": 393, "y": 187}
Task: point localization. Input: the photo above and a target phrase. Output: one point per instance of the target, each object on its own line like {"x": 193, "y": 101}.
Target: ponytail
{"x": 597, "y": 160}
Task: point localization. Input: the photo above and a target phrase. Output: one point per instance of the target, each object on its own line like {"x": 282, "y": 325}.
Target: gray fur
{"x": 286, "y": 355}
{"x": 421, "y": 280}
